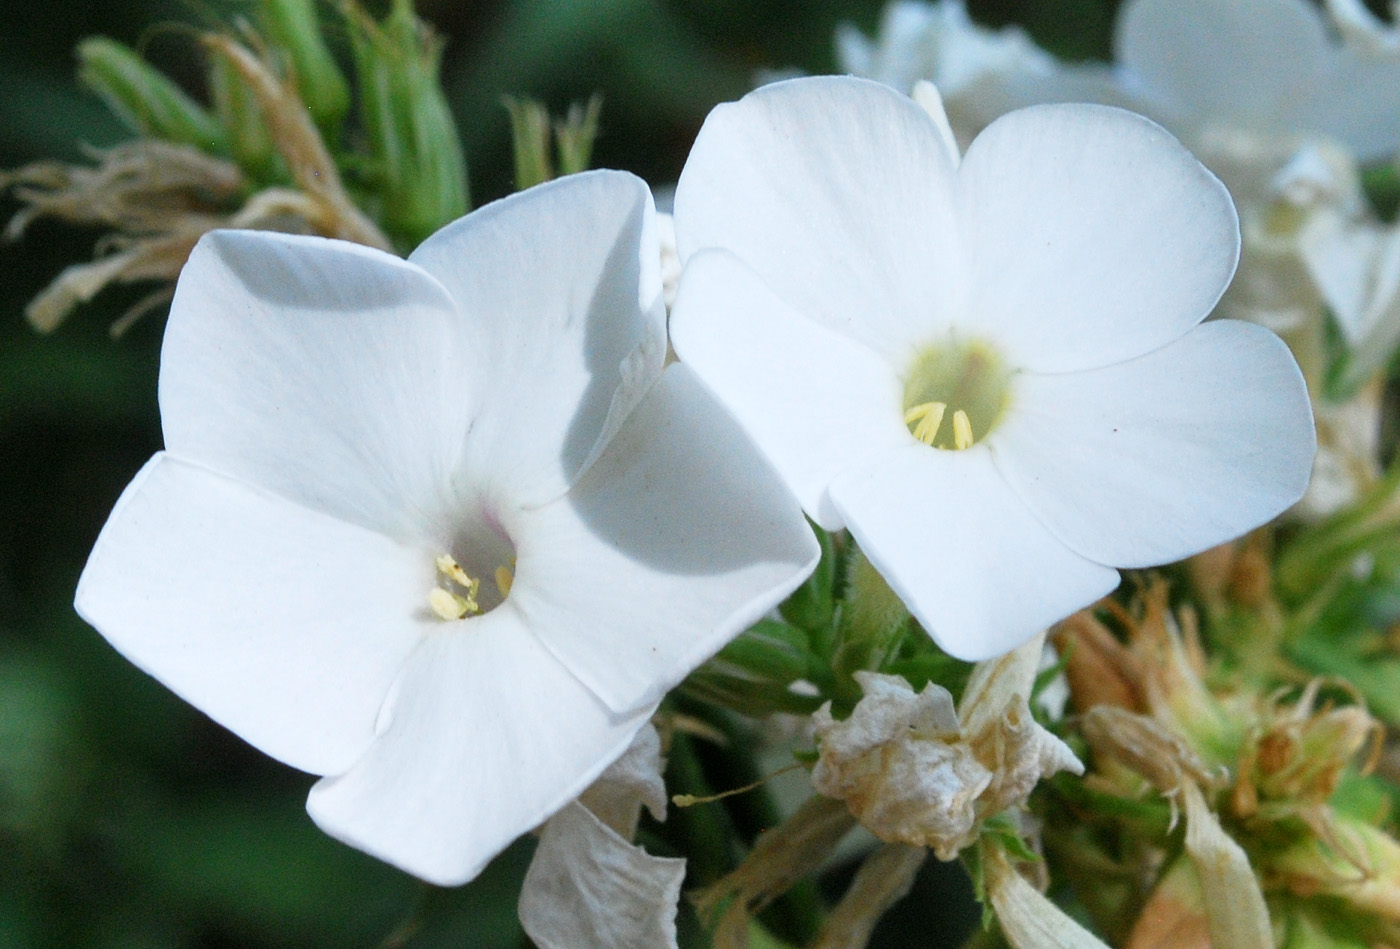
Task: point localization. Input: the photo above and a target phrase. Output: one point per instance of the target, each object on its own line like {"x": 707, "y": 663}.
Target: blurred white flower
{"x": 1274, "y": 69}
{"x": 992, "y": 372}
{"x": 588, "y": 885}
{"x": 982, "y": 73}
{"x": 440, "y": 529}
{"x": 1284, "y": 99}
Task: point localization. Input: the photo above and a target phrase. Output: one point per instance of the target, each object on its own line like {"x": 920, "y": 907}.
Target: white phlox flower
{"x": 989, "y": 369}
{"x": 588, "y": 885}
{"x": 1281, "y": 69}
{"x": 981, "y": 72}
{"x": 441, "y": 530}
{"x": 940, "y": 43}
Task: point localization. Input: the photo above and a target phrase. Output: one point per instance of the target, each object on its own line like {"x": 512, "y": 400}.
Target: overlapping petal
{"x": 1162, "y": 456}
{"x": 1240, "y": 62}
{"x": 559, "y": 291}
{"x": 1093, "y": 236}
{"x": 631, "y": 582}
{"x": 850, "y": 222}
{"x": 963, "y": 552}
{"x": 321, "y": 370}
{"x": 814, "y": 401}
{"x": 486, "y": 735}
{"x": 283, "y": 624}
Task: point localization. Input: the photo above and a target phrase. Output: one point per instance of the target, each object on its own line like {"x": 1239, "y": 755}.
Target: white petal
{"x": 631, "y": 781}
{"x": 1357, "y": 102}
{"x": 926, "y": 95}
{"x": 814, "y": 402}
{"x": 560, "y": 292}
{"x": 678, "y": 538}
{"x": 321, "y": 370}
{"x": 1242, "y": 63}
{"x": 282, "y": 624}
{"x": 587, "y": 886}
{"x": 1160, "y": 457}
{"x": 486, "y": 736}
{"x": 950, "y": 537}
{"x": 839, "y": 193}
{"x": 1095, "y": 236}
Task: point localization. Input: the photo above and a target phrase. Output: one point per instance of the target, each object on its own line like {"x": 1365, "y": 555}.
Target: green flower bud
{"x": 143, "y": 97}
{"x": 293, "y": 26}
{"x": 250, "y": 143}
{"x": 415, "y": 154}
{"x": 575, "y": 133}
{"x": 529, "y": 132}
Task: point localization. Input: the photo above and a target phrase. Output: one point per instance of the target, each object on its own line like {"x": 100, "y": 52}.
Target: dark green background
{"x": 127, "y": 818}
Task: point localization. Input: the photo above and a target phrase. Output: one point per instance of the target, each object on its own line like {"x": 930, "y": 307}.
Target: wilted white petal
{"x": 899, "y": 765}
{"x": 1001, "y": 731}
{"x": 1235, "y": 907}
{"x": 587, "y": 886}
{"x": 631, "y": 781}
{"x": 1028, "y": 919}
{"x": 884, "y": 878}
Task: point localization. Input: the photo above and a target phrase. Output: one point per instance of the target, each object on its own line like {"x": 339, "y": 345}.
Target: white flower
{"x": 847, "y": 283}
{"x": 1273, "y": 68}
{"x": 981, "y": 73}
{"x": 359, "y": 449}
{"x": 939, "y": 42}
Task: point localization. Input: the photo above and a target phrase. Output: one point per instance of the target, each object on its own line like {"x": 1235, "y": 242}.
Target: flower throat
{"x": 955, "y": 394}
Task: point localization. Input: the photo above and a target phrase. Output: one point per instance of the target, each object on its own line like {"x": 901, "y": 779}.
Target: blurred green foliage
{"x": 127, "y": 819}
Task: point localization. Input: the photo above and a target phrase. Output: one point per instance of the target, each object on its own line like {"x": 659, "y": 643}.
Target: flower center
{"x": 476, "y": 575}
{"x": 965, "y": 384}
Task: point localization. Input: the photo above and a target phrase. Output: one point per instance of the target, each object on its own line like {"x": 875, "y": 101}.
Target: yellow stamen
{"x": 962, "y": 430}
{"x": 929, "y": 416}
{"x": 449, "y": 567}
{"x": 504, "y": 578}
{"x": 447, "y": 606}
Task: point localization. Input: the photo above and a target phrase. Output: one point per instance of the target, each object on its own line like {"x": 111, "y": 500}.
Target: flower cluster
{"x": 479, "y": 535}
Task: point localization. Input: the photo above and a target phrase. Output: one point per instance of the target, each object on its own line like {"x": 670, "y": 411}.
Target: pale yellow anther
{"x": 962, "y": 430}
{"x": 449, "y": 567}
{"x": 446, "y": 605}
{"x": 926, "y": 418}
{"x": 449, "y": 605}
{"x": 504, "y": 578}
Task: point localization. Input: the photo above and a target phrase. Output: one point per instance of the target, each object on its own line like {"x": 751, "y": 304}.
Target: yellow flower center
{"x": 458, "y": 595}
{"x": 963, "y": 384}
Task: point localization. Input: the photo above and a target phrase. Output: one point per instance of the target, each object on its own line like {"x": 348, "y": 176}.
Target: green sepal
{"x": 812, "y": 606}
